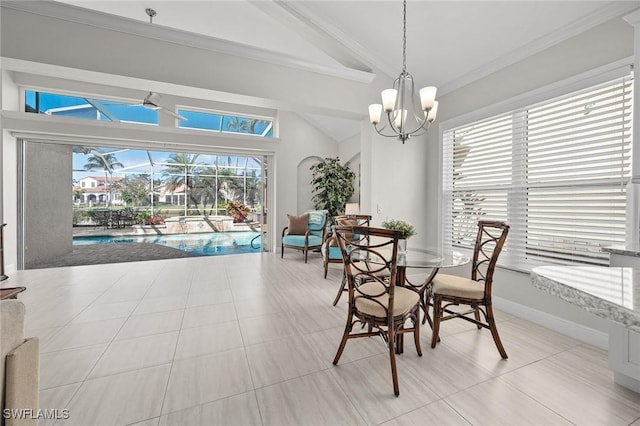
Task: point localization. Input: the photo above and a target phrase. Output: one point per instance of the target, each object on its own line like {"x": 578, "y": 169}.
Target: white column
{"x": 633, "y": 189}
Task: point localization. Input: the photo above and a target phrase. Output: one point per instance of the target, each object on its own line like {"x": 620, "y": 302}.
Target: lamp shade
{"x": 352, "y": 208}
{"x": 375, "y": 111}
{"x": 427, "y": 97}
{"x": 389, "y": 99}
{"x": 433, "y": 112}
{"x": 400, "y": 118}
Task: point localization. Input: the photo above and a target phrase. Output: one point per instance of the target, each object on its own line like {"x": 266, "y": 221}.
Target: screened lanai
{"x": 170, "y": 195}
{"x": 167, "y": 184}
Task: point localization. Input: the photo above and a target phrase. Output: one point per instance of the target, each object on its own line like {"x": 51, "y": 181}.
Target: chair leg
{"x": 476, "y": 313}
{"x": 326, "y": 266}
{"x": 345, "y": 337}
{"x": 416, "y": 333}
{"x": 340, "y": 290}
{"x": 494, "y": 331}
{"x": 437, "y": 312}
{"x": 306, "y": 252}
{"x": 282, "y": 251}
{"x": 424, "y": 304}
{"x": 392, "y": 359}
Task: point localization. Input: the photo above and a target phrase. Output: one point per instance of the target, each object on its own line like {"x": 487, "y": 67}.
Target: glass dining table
{"x": 431, "y": 259}
{"x": 427, "y": 261}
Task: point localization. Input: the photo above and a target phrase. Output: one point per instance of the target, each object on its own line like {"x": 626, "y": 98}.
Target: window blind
{"x": 555, "y": 171}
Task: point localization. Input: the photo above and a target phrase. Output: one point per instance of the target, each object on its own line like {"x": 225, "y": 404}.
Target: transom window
{"x": 109, "y": 110}
{"x": 88, "y": 108}
{"x": 555, "y": 171}
{"x": 226, "y": 123}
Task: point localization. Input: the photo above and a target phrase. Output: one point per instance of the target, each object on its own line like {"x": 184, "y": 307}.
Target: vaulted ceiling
{"x": 449, "y": 43}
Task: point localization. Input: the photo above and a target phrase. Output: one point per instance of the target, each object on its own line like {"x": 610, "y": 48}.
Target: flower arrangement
{"x": 155, "y": 220}
{"x": 407, "y": 229}
{"x": 238, "y": 210}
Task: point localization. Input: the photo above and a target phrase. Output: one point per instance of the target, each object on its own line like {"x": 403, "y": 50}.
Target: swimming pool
{"x": 206, "y": 244}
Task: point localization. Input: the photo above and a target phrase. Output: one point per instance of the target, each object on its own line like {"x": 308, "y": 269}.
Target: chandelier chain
{"x": 404, "y": 37}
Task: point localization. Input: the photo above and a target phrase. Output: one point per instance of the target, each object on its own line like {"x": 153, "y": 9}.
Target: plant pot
{"x": 402, "y": 246}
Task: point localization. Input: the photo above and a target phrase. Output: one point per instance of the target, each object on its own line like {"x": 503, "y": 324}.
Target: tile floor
{"x": 249, "y": 340}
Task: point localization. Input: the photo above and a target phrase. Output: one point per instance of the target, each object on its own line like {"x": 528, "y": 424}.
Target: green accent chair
{"x": 305, "y": 232}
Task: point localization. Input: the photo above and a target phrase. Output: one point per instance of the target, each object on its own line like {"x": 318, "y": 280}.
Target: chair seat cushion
{"x": 299, "y": 241}
{"x": 404, "y": 300}
{"x": 335, "y": 253}
{"x": 452, "y": 285}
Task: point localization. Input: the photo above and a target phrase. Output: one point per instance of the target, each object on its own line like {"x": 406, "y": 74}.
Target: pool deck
{"x": 97, "y": 254}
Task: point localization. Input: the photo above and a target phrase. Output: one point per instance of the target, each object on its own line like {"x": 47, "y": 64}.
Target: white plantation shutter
{"x": 555, "y": 171}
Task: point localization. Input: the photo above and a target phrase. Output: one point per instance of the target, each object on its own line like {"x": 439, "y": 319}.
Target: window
{"x": 167, "y": 183}
{"x": 88, "y": 108}
{"x": 262, "y": 127}
{"x": 555, "y": 171}
{"x": 109, "y": 110}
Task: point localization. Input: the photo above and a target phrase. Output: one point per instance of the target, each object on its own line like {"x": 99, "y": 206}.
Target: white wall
{"x": 349, "y": 152}
{"x": 299, "y": 141}
{"x": 602, "y": 45}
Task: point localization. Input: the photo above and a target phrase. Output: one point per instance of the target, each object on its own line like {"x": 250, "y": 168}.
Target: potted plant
{"x": 332, "y": 185}
{"x": 238, "y": 210}
{"x": 405, "y": 228}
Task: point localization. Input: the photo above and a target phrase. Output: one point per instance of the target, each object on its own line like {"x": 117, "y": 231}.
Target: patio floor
{"x": 96, "y": 254}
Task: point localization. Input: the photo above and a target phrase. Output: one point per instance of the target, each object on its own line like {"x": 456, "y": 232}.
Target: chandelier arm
{"x": 381, "y": 130}
{"x": 424, "y": 128}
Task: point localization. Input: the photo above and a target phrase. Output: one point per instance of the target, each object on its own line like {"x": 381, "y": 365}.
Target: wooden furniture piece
{"x": 449, "y": 290}
{"x": 11, "y": 292}
{"x": 310, "y": 238}
{"x": 331, "y": 251}
{"x": 377, "y": 306}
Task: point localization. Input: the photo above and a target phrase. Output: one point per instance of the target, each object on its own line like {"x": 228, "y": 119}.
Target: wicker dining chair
{"x": 377, "y": 306}
{"x": 331, "y": 251}
{"x": 451, "y": 290}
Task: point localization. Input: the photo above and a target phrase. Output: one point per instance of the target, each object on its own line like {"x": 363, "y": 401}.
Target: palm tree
{"x": 182, "y": 170}
{"x": 106, "y": 162}
{"x": 244, "y": 125}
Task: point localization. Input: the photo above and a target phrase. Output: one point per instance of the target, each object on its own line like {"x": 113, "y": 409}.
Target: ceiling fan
{"x": 152, "y": 102}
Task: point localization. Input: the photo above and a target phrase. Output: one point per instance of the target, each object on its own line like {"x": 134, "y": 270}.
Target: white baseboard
{"x": 577, "y": 331}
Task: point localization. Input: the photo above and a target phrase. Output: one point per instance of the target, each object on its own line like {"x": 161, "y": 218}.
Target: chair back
{"x": 489, "y": 241}
{"x": 317, "y": 222}
{"x": 352, "y": 220}
{"x": 371, "y": 261}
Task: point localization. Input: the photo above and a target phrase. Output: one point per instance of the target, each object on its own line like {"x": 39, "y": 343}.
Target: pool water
{"x": 206, "y": 244}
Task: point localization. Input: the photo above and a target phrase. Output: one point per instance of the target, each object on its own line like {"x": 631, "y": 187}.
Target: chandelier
{"x": 407, "y": 115}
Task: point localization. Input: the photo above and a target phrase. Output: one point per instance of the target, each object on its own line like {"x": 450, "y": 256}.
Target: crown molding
{"x": 600, "y": 16}
{"x": 144, "y": 29}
